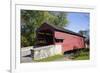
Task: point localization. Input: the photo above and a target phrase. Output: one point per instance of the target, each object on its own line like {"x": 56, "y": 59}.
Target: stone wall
{"x": 26, "y": 50}
{"x": 46, "y": 51}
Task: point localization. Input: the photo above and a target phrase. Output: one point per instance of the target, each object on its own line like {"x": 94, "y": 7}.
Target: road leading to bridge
{"x": 26, "y": 56}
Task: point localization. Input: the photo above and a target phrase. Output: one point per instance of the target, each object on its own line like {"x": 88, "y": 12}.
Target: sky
{"x": 77, "y": 21}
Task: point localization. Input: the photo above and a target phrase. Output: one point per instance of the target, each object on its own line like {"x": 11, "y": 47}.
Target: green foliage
{"x": 31, "y": 20}
{"x": 24, "y": 41}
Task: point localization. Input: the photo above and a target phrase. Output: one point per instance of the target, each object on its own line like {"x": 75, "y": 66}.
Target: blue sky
{"x": 77, "y": 21}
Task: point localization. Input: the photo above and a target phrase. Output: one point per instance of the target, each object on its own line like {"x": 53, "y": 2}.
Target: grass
{"x": 51, "y": 58}
{"x": 82, "y": 55}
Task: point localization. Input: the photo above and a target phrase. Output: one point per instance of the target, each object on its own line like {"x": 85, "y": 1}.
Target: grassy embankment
{"x": 51, "y": 58}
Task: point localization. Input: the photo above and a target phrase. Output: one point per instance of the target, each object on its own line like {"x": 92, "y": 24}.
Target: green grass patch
{"x": 51, "y": 58}
{"x": 81, "y": 55}
{"x": 86, "y": 57}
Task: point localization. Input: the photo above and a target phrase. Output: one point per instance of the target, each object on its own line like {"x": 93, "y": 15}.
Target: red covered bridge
{"x": 48, "y": 34}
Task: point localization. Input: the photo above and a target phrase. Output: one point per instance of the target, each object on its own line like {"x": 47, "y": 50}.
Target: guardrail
{"x": 26, "y": 48}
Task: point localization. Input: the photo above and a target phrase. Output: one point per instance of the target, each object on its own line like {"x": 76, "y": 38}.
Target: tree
{"x": 87, "y": 37}
{"x": 84, "y": 33}
{"x": 31, "y": 20}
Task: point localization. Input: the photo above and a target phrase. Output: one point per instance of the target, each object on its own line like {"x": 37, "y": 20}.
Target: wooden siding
{"x": 70, "y": 41}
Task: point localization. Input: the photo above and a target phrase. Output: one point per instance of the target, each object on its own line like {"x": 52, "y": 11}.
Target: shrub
{"x": 24, "y": 42}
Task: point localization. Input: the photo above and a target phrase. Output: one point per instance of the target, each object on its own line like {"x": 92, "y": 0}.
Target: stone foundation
{"x": 46, "y": 51}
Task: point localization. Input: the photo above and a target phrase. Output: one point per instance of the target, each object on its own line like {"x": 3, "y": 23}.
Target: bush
{"x": 24, "y": 42}
{"x": 81, "y": 52}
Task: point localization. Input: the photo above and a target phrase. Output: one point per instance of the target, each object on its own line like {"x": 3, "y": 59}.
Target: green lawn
{"x": 83, "y": 55}
{"x": 52, "y": 58}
